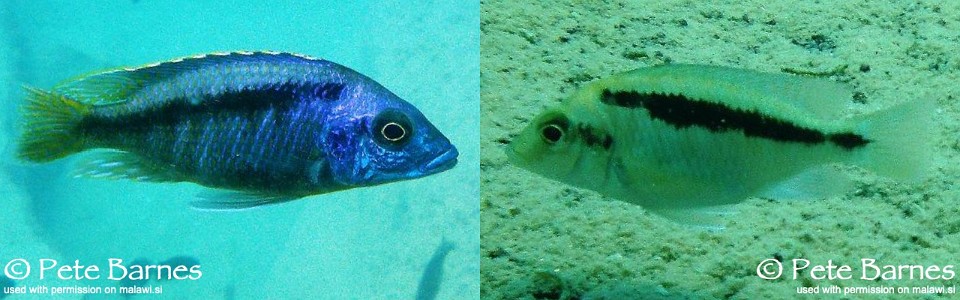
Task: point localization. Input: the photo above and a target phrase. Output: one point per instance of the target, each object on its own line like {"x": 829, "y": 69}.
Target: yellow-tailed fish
{"x": 269, "y": 126}
{"x": 682, "y": 139}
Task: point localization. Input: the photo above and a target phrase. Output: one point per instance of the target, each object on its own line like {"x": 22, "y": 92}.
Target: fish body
{"x": 683, "y": 137}
{"x": 272, "y": 126}
{"x": 5, "y": 283}
{"x": 140, "y": 265}
{"x": 189, "y": 265}
{"x": 433, "y": 274}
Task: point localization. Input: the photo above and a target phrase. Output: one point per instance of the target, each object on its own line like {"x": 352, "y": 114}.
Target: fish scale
{"x": 677, "y": 139}
{"x": 272, "y": 127}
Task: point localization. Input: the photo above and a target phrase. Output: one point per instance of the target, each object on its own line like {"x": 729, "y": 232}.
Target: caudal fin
{"x": 50, "y": 126}
{"x": 902, "y": 140}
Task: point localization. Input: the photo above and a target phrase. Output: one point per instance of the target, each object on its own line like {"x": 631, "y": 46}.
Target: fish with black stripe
{"x": 270, "y": 126}
{"x": 681, "y": 140}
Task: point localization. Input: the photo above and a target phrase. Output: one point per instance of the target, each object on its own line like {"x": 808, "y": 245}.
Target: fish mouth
{"x": 442, "y": 162}
{"x": 514, "y": 156}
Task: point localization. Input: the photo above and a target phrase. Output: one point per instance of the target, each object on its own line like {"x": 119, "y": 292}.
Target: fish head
{"x": 547, "y": 146}
{"x": 397, "y": 143}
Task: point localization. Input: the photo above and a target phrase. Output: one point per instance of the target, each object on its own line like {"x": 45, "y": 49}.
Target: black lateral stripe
{"x": 848, "y": 140}
{"x": 594, "y": 137}
{"x": 682, "y": 112}
{"x": 328, "y": 91}
{"x": 242, "y": 102}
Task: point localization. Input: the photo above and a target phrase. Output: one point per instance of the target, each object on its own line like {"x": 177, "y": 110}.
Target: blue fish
{"x": 5, "y": 283}
{"x": 185, "y": 261}
{"x": 141, "y": 262}
{"x": 272, "y": 127}
{"x": 433, "y": 274}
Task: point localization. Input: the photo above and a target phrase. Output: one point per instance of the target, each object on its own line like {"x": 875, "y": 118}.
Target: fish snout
{"x": 444, "y": 161}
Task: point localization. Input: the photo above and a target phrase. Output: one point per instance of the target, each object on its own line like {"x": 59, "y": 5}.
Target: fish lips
{"x": 444, "y": 161}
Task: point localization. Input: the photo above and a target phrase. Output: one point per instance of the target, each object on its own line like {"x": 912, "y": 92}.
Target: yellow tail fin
{"x": 50, "y": 129}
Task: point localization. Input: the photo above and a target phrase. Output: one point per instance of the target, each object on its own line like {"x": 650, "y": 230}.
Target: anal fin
{"x": 709, "y": 218}
{"x": 125, "y": 165}
{"x": 816, "y": 183}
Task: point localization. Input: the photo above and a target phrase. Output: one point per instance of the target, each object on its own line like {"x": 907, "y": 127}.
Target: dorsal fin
{"x": 805, "y": 100}
{"x": 117, "y": 85}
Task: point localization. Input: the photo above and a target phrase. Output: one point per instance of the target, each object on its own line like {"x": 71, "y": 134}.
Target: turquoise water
{"x": 368, "y": 243}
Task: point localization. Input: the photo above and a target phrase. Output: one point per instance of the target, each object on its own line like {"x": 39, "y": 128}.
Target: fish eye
{"x": 553, "y": 129}
{"x": 393, "y": 132}
{"x": 551, "y": 133}
{"x": 392, "y": 129}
